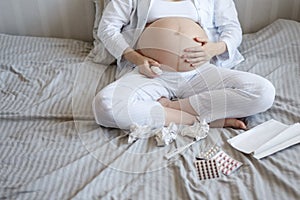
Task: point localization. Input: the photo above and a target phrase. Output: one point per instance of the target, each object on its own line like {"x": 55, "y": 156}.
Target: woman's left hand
{"x": 199, "y": 54}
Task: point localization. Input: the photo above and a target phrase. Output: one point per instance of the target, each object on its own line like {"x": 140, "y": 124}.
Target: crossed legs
{"x": 219, "y": 96}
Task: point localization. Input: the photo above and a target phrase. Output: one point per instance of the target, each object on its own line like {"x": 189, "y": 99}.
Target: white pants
{"x": 213, "y": 92}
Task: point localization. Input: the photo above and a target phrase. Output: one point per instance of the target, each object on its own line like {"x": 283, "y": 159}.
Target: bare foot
{"x": 235, "y": 123}
{"x": 164, "y": 101}
{"x": 228, "y": 123}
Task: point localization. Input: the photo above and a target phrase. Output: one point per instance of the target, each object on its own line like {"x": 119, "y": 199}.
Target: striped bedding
{"x": 51, "y": 147}
{"x": 37, "y": 75}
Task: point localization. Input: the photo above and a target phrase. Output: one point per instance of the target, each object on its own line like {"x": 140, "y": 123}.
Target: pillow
{"x": 99, "y": 6}
{"x": 100, "y": 54}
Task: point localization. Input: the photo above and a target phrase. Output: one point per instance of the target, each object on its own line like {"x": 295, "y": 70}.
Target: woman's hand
{"x": 142, "y": 62}
{"x": 202, "y": 53}
{"x": 145, "y": 68}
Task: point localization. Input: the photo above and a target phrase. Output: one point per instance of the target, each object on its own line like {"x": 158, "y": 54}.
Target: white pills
{"x": 156, "y": 70}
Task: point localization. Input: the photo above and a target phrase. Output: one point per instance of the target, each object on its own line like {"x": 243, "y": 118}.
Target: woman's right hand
{"x": 145, "y": 68}
{"x": 142, "y": 62}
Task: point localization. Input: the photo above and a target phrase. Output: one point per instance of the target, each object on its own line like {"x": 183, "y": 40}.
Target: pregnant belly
{"x": 165, "y": 40}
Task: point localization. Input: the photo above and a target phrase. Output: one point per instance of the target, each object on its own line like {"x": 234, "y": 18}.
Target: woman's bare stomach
{"x": 165, "y": 40}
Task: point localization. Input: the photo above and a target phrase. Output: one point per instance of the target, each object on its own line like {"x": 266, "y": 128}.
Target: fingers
{"x": 203, "y": 41}
{"x": 146, "y": 70}
{"x": 197, "y": 63}
{"x": 199, "y": 47}
{"x": 196, "y": 56}
{"x": 194, "y": 49}
{"x": 154, "y": 63}
{"x": 196, "y": 59}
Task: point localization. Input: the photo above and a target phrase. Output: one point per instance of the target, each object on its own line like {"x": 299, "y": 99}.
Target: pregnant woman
{"x": 193, "y": 43}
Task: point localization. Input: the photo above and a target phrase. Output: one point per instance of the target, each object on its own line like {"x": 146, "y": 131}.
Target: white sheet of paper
{"x": 286, "y": 138}
{"x": 254, "y": 138}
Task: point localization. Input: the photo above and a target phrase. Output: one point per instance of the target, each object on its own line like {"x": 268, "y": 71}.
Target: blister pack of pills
{"x": 207, "y": 169}
{"x": 206, "y": 155}
{"x": 224, "y": 162}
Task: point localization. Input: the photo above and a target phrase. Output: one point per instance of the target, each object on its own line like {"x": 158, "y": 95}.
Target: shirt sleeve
{"x": 115, "y": 16}
{"x": 228, "y": 26}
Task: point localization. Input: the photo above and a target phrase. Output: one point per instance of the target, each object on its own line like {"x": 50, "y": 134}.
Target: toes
{"x": 164, "y": 101}
{"x": 240, "y": 125}
{"x": 235, "y": 123}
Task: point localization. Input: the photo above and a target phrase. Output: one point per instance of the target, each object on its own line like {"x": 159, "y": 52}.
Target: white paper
{"x": 286, "y": 138}
{"x": 267, "y": 138}
{"x": 254, "y": 138}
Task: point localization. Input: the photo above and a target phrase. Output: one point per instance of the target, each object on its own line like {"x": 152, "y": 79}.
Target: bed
{"x": 51, "y": 147}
